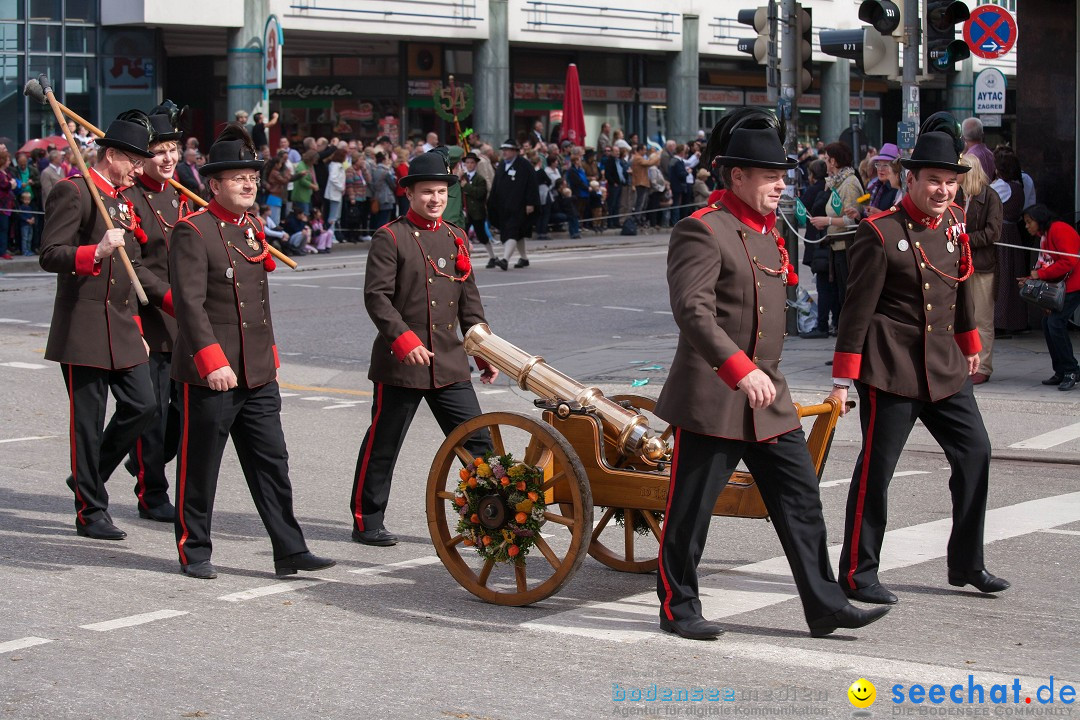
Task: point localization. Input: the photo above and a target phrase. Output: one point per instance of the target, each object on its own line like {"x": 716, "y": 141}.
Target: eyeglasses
{"x": 244, "y": 179}
{"x": 136, "y": 162}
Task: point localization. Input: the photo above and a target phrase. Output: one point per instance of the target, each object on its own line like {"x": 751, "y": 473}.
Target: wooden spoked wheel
{"x": 561, "y": 546}
{"x": 623, "y": 548}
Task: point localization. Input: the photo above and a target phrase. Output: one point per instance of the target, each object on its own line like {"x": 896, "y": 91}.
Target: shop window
{"x": 81, "y": 10}
{"x": 79, "y": 87}
{"x": 11, "y": 98}
{"x": 45, "y": 9}
{"x": 80, "y": 39}
{"x": 459, "y": 62}
{"x": 544, "y": 67}
{"x": 45, "y": 38}
{"x": 12, "y": 9}
{"x": 11, "y": 37}
{"x": 346, "y": 66}
{"x": 42, "y": 123}
{"x": 306, "y": 66}
{"x": 379, "y": 66}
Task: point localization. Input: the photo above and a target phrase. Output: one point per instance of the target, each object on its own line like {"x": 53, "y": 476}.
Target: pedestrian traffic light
{"x": 873, "y": 53}
{"x": 883, "y": 15}
{"x": 759, "y": 46}
{"x": 804, "y": 36}
{"x": 942, "y": 48}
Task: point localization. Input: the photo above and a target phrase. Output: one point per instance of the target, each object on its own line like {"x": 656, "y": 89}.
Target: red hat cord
{"x": 786, "y": 271}
{"x": 967, "y": 267}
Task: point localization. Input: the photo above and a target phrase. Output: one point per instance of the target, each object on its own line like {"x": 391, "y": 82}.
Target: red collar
{"x": 227, "y": 215}
{"x": 103, "y": 184}
{"x": 422, "y": 222}
{"x": 747, "y": 215}
{"x": 151, "y": 184}
{"x": 918, "y": 215}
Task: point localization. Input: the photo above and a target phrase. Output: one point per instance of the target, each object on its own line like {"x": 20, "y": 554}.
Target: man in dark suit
{"x": 514, "y": 195}
{"x": 418, "y": 289}
{"x": 910, "y": 343}
{"x": 187, "y": 172}
{"x": 725, "y": 395}
{"x": 225, "y": 362}
{"x": 616, "y": 179}
{"x": 474, "y": 189}
{"x": 96, "y": 334}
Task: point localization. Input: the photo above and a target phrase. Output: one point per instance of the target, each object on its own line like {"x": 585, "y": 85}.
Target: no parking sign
{"x": 990, "y": 32}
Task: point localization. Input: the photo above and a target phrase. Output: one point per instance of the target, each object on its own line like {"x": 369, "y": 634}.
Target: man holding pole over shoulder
{"x": 728, "y": 272}
{"x": 156, "y": 208}
{"x": 225, "y": 363}
{"x": 908, "y": 340}
{"x": 95, "y": 333}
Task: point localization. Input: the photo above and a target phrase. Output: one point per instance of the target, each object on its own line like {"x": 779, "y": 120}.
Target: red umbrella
{"x": 573, "y": 121}
{"x": 57, "y": 141}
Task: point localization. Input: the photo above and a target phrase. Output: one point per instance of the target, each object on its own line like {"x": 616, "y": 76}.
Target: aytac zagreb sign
{"x": 990, "y": 92}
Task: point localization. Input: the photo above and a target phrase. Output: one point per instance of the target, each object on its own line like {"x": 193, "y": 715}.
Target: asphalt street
{"x": 92, "y": 629}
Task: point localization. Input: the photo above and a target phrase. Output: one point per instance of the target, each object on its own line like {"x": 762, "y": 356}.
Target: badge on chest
{"x": 251, "y": 241}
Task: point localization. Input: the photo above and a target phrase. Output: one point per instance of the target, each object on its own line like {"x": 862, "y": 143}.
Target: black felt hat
{"x": 165, "y": 122}
{"x": 755, "y": 147}
{"x": 130, "y": 132}
{"x": 432, "y": 165}
{"x": 233, "y": 150}
{"x": 935, "y": 149}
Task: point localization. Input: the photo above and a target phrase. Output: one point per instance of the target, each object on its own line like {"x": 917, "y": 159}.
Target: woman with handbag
{"x": 1057, "y": 236}
{"x": 843, "y": 190}
{"x": 982, "y": 213}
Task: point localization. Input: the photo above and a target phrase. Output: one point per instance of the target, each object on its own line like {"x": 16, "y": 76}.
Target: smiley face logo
{"x": 862, "y": 693}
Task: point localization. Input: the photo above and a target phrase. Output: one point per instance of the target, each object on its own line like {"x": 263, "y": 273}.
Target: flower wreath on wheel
{"x": 501, "y": 506}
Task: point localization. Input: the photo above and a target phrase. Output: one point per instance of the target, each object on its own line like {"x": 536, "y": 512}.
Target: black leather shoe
{"x": 695, "y": 629}
{"x": 848, "y": 617}
{"x": 1054, "y": 379}
{"x": 301, "y": 561}
{"x": 492, "y": 262}
{"x": 164, "y": 512}
{"x": 981, "y": 580}
{"x": 201, "y": 570}
{"x": 378, "y": 537}
{"x": 815, "y": 335}
{"x": 102, "y": 529}
{"x": 522, "y": 263}
{"x": 877, "y": 594}
{"x": 503, "y": 264}
{"x": 1068, "y": 381}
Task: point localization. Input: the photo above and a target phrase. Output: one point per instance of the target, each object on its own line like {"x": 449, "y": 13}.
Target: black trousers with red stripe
{"x": 97, "y": 449}
{"x": 700, "y": 469}
{"x": 252, "y": 417}
{"x": 156, "y": 447}
{"x": 391, "y": 414}
{"x": 887, "y": 419}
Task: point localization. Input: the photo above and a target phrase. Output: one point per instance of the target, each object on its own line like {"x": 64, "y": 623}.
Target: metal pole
{"x": 788, "y": 111}
{"x": 909, "y": 128}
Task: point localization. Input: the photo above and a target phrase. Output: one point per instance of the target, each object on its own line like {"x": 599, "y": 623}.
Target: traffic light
{"x": 873, "y": 53}
{"x": 942, "y": 48}
{"x": 804, "y": 36}
{"x": 883, "y": 15}
{"x": 759, "y": 46}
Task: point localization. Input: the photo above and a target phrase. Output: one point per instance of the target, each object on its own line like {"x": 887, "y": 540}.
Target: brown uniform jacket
{"x": 94, "y": 319}
{"x": 158, "y": 209}
{"x": 221, "y": 299}
{"x": 730, "y": 315}
{"x": 905, "y": 328}
{"x": 412, "y": 303}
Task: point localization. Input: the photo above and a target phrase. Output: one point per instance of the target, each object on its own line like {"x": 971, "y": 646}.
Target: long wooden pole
{"x": 179, "y": 188}
{"x": 55, "y": 105}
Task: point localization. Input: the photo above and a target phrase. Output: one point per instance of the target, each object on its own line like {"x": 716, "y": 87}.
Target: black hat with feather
{"x": 233, "y": 150}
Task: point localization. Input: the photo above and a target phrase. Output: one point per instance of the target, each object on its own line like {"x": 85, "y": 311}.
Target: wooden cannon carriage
{"x": 594, "y": 452}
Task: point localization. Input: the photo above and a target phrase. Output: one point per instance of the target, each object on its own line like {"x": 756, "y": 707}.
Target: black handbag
{"x": 1047, "y": 295}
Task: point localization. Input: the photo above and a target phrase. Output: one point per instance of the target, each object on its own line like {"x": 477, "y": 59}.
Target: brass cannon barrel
{"x": 629, "y": 430}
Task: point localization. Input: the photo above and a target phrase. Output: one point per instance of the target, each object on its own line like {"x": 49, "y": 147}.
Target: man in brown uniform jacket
{"x": 725, "y": 396}
{"x": 156, "y": 208}
{"x": 95, "y": 332}
{"x": 418, "y": 289}
{"x": 225, "y": 361}
{"x": 909, "y": 340}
